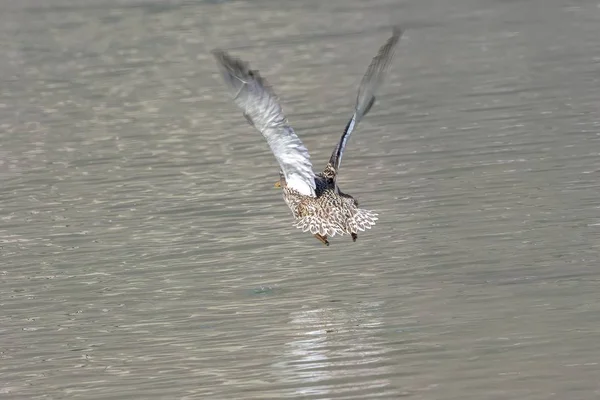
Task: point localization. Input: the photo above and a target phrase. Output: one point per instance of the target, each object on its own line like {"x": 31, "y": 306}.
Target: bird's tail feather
{"x": 362, "y": 220}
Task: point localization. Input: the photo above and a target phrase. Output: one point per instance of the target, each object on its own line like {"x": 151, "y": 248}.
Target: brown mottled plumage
{"x": 329, "y": 213}
{"x": 316, "y": 201}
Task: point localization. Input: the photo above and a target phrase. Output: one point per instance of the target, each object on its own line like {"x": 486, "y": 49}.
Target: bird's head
{"x": 281, "y": 182}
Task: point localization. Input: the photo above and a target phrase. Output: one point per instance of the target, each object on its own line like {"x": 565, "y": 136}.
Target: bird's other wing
{"x": 366, "y": 93}
{"x": 261, "y": 108}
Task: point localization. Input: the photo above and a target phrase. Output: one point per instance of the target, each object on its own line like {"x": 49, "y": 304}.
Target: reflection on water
{"x": 336, "y": 351}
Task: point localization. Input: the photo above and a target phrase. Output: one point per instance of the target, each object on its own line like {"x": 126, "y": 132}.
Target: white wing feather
{"x": 261, "y": 108}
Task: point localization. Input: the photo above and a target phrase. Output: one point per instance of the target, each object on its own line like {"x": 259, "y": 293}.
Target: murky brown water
{"x": 144, "y": 253}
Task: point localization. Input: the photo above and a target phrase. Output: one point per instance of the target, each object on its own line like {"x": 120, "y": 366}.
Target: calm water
{"x": 145, "y": 254}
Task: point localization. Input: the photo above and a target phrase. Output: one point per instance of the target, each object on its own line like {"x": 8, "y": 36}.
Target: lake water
{"x": 144, "y": 252}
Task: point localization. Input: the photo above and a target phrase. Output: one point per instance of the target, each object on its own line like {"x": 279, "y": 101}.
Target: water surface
{"x": 145, "y": 254}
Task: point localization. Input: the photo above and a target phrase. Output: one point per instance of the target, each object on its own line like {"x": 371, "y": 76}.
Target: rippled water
{"x": 145, "y": 254}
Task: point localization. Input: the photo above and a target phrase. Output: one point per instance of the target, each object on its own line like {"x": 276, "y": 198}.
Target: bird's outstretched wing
{"x": 366, "y": 93}
{"x": 262, "y": 110}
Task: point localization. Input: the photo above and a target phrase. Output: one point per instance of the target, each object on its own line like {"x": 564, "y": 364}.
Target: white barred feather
{"x": 314, "y": 223}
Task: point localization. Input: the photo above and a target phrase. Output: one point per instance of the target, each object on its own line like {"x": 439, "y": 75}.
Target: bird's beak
{"x": 277, "y": 184}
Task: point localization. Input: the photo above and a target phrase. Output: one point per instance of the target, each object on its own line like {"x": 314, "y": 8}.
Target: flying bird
{"x": 317, "y": 203}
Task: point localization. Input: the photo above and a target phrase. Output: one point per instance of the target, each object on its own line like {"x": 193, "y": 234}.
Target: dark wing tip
{"x": 397, "y": 31}
{"x": 235, "y": 72}
{"x": 228, "y": 62}
{"x": 217, "y": 52}
{"x": 222, "y": 58}
{"x": 233, "y": 67}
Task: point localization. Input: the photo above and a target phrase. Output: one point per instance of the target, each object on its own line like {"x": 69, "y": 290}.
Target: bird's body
{"x": 317, "y": 203}
{"x": 329, "y": 212}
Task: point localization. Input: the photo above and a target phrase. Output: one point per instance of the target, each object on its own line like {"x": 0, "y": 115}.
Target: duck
{"x": 317, "y": 203}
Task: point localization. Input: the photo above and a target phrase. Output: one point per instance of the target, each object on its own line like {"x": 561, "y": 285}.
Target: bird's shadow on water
{"x": 262, "y": 291}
